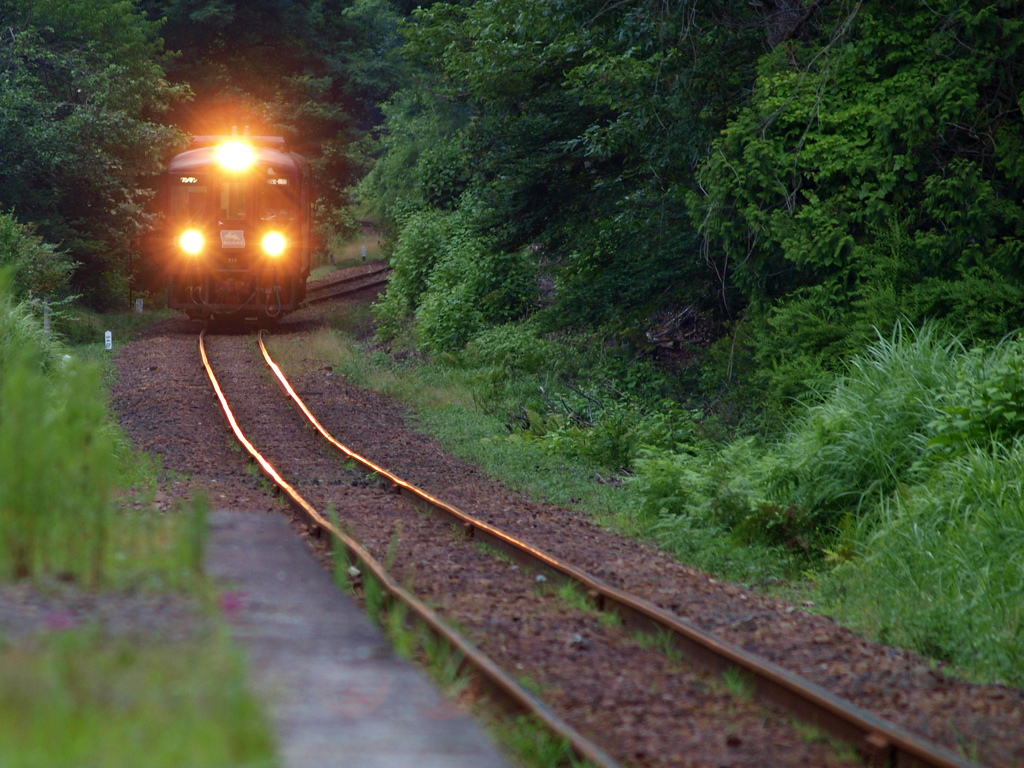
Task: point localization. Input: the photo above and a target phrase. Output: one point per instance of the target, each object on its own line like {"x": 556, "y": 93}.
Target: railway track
{"x": 878, "y": 742}
{"x": 344, "y": 283}
{"x": 512, "y": 696}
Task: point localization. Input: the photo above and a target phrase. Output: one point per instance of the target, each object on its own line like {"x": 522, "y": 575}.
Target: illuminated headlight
{"x": 192, "y": 242}
{"x": 274, "y": 243}
{"x": 235, "y": 155}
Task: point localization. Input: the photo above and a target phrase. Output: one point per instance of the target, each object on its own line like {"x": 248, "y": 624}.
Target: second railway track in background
{"x": 344, "y": 282}
{"x": 633, "y": 680}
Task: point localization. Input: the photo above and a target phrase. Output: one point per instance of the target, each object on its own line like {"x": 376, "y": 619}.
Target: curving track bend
{"x": 640, "y": 703}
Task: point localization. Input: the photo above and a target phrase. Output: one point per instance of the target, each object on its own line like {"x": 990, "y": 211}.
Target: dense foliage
{"x": 81, "y": 91}
{"x": 36, "y": 268}
{"x": 569, "y": 131}
{"x": 562, "y": 184}
{"x": 875, "y": 175}
{"x": 802, "y": 175}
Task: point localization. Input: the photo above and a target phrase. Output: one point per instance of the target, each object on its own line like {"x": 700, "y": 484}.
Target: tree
{"x": 81, "y": 88}
{"x": 573, "y": 131}
{"x": 876, "y": 174}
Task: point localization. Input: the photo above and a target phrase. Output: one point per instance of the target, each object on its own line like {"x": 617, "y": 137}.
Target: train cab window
{"x": 277, "y": 199}
{"x": 232, "y": 201}
{"x": 188, "y": 199}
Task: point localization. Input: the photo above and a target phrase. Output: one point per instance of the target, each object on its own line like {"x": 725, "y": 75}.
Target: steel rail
{"x": 344, "y": 286}
{"x": 503, "y": 688}
{"x": 879, "y": 742}
{"x": 332, "y": 280}
{"x": 337, "y": 293}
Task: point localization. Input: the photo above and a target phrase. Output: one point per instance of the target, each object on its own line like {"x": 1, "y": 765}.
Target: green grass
{"x": 738, "y": 683}
{"x": 572, "y": 594}
{"x": 59, "y": 463}
{"x": 662, "y": 640}
{"x": 85, "y": 329}
{"x": 78, "y": 698}
{"x": 72, "y": 507}
{"x": 942, "y": 571}
{"x": 535, "y": 745}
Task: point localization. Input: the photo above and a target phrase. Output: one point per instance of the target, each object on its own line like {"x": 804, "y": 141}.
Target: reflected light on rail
{"x": 274, "y": 243}
{"x": 192, "y": 242}
{"x": 235, "y": 155}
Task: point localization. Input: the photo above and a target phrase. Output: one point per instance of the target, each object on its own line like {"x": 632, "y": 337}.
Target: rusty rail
{"x": 333, "y": 288}
{"x": 504, "y": 689}
{"x": 879, "y": 742}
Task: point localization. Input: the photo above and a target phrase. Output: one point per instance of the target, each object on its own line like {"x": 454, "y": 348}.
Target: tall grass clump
{"x": 57, "y": 452}
{"x": 838, "y": 461}
{"x": 903, "y": 490}
{"x": 942, "y": 571}
{"x": 20, "y": 330}
{"x": 868, "y": 435}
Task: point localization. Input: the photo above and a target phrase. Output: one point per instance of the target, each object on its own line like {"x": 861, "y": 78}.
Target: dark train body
{"x": 236, "y": 228}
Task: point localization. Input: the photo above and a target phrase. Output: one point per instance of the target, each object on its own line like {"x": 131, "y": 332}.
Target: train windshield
{"x": 188, "y": 198}
{"x": 232, "y": 200}
{"x": 277, "y": 199}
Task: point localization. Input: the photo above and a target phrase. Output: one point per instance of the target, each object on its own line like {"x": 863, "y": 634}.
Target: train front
{"x": 238, "y": 211}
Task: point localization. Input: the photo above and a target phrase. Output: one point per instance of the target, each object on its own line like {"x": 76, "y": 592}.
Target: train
{"x": 236, "y": 228}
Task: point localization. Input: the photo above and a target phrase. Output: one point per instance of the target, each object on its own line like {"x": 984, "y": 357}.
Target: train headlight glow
{"x": 274, "y": 243}
{"x": 192, "y": 242}
{"x": 235, "y": 155}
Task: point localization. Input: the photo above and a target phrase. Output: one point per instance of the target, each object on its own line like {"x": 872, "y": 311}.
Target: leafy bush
{"x": 613, "y": 435}
{"x": 416, "y": 252}
{"x": 577, "y": 396}
{"x": 518, "y": 348}
{"x": 848, "y": 193}
{"x": 38, "y": 268}
{"x": 451, "y": 310}
{"x": 451, "y": 280}
{"x": 986, "y": 405}
{"x": 706, "y": 506}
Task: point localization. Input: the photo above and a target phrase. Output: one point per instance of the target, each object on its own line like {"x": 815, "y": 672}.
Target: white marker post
{"x": 364, "y": 253}
{"x": 108, "y": 340}
{"x": 138, "y": 306}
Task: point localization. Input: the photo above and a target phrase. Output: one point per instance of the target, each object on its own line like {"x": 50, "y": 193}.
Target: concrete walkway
{"x": 339, "y": 696}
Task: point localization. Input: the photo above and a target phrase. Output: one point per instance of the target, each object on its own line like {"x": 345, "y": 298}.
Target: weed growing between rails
{"x": 526, "y": 737}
